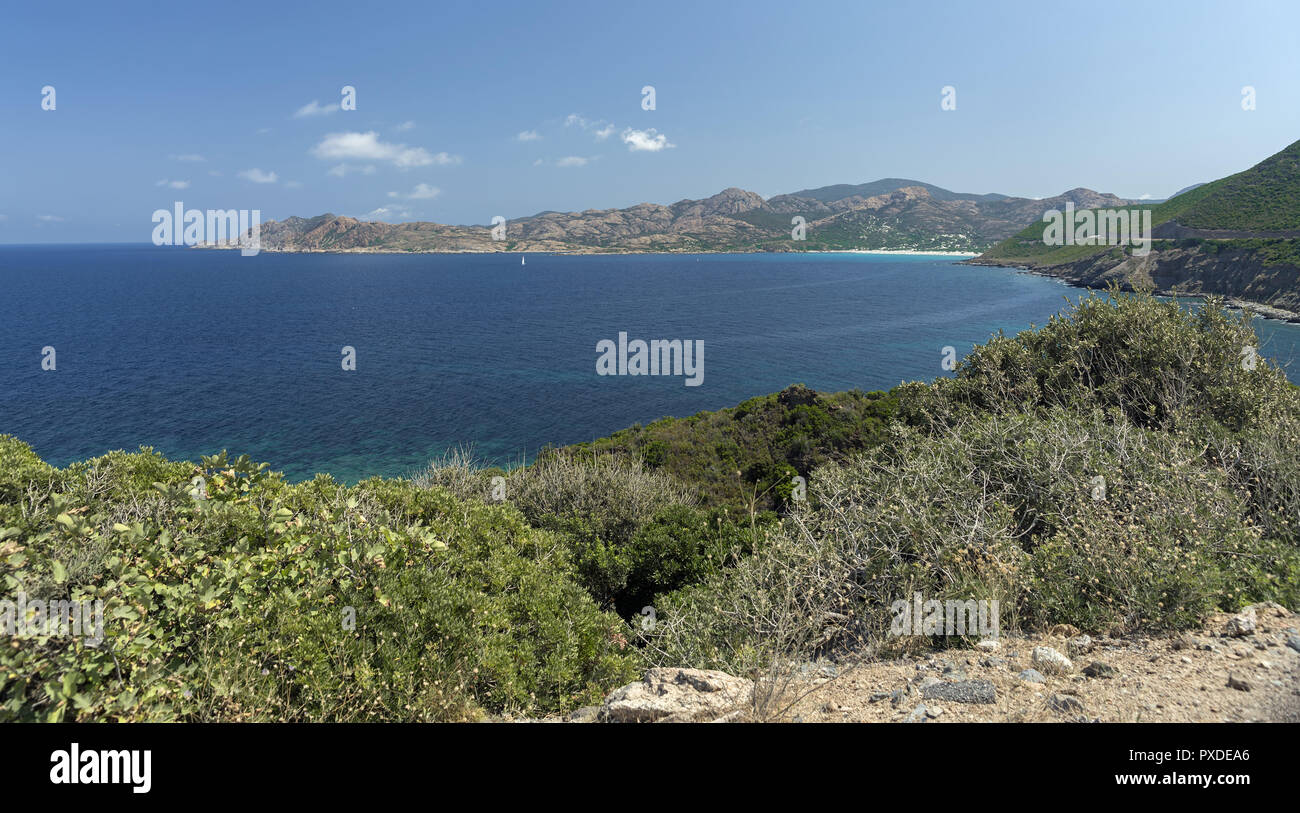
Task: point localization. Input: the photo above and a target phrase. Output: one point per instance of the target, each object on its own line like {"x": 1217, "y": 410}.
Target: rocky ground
{"x": 1236, "y": 668}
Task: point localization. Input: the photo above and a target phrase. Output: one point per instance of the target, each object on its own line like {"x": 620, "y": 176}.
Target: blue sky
{"x": 204, "y": 103}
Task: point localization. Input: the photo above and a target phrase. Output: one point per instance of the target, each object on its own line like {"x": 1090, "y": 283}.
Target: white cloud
{"x": 49, "y": 218}
{"x": 404, "y": 126}
{"x": 1147, "y": 196}
{"x": 189, "y": 156}
{"x": 645, "y": 140}
{"x": 602, "y": 129}
{"x": 343, "y": 170}
{"x": 528, "y": 135}
{"x": 174, "y": 184}
{"x": 422, "y": 191}
{"x": 314, "y": 108}
{"x": 258, "y": 176}
{"x": 368, "y": 147}
{"x": 386, "y": 212}
{"x": 566, "y": 161}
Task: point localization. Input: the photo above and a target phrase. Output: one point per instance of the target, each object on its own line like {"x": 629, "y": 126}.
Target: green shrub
{"x": 1004, "y": 507}
{"x": 269, "y": 601}
{"x": 21, "y": 469}
{"x": 1149, "y": 362}
{"x": 742, "y": 458}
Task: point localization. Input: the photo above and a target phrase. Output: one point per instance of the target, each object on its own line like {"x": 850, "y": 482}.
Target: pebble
{"x": 1047, "y": 659}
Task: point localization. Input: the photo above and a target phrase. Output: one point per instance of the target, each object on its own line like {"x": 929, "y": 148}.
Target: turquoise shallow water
{"x": 192, "y": 351}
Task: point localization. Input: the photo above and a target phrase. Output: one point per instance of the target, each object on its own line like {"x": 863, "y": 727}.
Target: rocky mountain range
{"x": 892, "y": 213}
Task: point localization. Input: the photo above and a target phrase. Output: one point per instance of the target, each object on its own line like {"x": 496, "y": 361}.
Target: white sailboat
{"x": 523, "y": 261}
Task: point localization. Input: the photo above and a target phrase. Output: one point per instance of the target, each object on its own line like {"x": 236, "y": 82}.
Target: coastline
{"x": 615, "y": 253}
{"x": 1234, "y": 303}
{"x": 903, "y": 251}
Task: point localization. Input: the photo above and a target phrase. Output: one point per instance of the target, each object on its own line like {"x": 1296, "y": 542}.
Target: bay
{"x": 192, "y": 351}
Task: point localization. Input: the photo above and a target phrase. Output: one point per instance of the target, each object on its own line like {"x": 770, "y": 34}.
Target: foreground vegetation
{"x": 1127, "y": 466}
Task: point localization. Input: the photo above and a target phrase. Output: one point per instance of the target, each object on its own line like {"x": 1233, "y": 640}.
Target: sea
{"x": 375, "y": 364}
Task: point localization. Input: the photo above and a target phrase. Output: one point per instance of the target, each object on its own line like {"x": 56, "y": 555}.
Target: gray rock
{"x": 876, "y": 697}
{"x": 1046, "y": 659}
{"x": 1032, "y": 676}
{"x": 965, "y": 691}
{"x": 1293, "y": 641}
{"x": 680, "y": 694}
{"x": 928, "y": 681}
{"x": 1079, "y": 646}
{"x": 586, "y": 714}
{"x": 1241, "y": 624}
{"x": 1065, "y": 703}
{"x": 993, "y": 662}
{"x": 1097, "y": 669}
{"x": 918, "y": 715}
{"x": 1240, "y": 684}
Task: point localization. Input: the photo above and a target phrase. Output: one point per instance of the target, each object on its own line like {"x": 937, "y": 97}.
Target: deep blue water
{"x": 192, "y": 352}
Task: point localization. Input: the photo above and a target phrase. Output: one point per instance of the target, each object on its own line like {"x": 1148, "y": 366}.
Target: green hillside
{"x": 1264, "y": 198}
